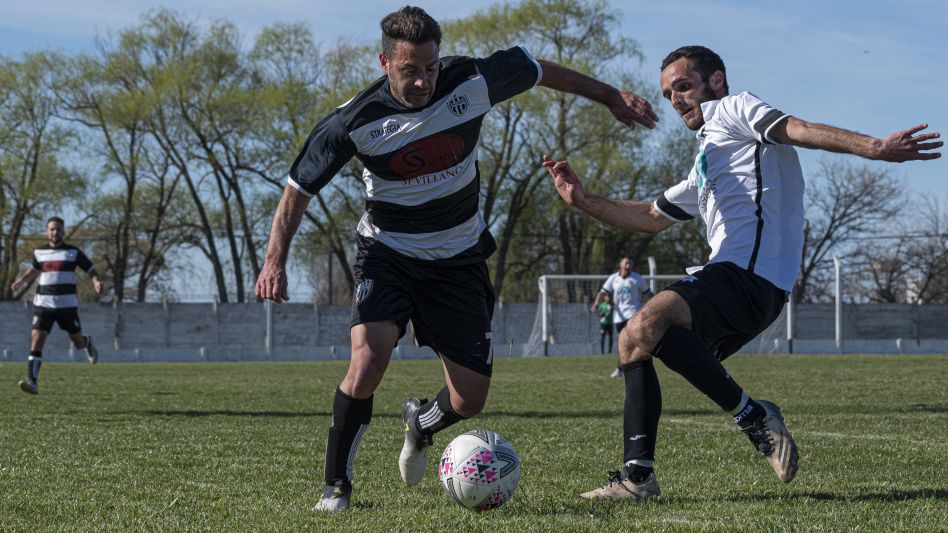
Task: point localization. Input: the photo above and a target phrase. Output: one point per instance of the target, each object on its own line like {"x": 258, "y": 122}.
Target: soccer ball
{"x": 480, "y": 470}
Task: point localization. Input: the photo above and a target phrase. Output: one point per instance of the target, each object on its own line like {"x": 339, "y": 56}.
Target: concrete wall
{"x": 194, "y": 331}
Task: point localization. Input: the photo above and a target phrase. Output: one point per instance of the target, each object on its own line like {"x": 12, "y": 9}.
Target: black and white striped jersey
{"x": 421, "y": 176}
{"x": 57, "y": 279}
{"x": 747, "y": 188}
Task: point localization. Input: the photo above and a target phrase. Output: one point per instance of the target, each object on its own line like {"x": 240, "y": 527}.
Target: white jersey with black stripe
{"x": 747, "y": 188}
{"x": 420, "y": 165}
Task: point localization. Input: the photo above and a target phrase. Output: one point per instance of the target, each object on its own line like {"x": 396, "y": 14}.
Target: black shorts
{"x": 621, "y": 326}
{"x": 66, "y": 317}
{"x": 729, "y": 305}
{"x": 450, "y": 307}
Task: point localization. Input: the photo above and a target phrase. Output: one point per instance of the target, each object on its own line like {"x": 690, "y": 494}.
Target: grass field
{"x": 239, "y": 446}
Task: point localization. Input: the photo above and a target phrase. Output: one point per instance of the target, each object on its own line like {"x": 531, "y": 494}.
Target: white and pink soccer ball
{"x": 480, "y": 470}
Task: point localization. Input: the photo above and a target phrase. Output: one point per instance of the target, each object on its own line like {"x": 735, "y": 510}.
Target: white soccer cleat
{"x": 335, "y": 497}
{"x": 620, "y": 486}
{"x": 414, "y": 456}
{"x": 772, "y": 439}
{"x": 616, "y": 373}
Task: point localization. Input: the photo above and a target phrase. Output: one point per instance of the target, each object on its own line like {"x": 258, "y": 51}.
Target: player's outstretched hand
{"x": 565, "y": 180}
{"x": 906, "y": 146}
{"x": 271, "y": 284}
{"x": 629, "y": 108}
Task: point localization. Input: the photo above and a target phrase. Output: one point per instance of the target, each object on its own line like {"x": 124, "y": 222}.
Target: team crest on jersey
{"x": 364, "y": 289}
{"x": 458, "y": 104}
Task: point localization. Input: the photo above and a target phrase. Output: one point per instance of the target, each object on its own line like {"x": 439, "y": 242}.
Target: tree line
{"x": 172, "y": 139}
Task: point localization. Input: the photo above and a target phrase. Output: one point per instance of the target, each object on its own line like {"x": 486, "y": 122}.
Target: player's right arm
{"x": 26, "y": 277}
{"x": 595, "y": 303}
{"x": 272, "y": 282}
{"x": 327, "y": 149}
{"x": 624, "y": 214}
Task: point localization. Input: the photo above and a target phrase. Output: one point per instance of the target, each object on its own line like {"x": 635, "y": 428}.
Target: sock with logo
{"x": 683, "y": 351}
{"x": 350, "y": 419}
{"x": 747, "y": 413}
{"x": 437, "y": 415}
{"x": 643, "y": 407}
{"x": 33, "y": 365}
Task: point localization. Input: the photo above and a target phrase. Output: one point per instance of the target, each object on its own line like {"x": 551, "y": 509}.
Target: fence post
{"x": 268, "y": 337}
{"x": 839, "y": 306}
{"x": 652, "y": 272}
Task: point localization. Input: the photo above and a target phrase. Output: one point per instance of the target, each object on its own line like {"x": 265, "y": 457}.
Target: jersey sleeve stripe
{"x": 670, "y": 210}
{"x": 535, "y": 62}
{"x": 763, "y": 126}
{"x": 292, "y": 183}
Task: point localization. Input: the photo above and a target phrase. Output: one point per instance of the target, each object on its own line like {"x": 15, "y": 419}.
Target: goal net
{"x": 564, "y": 323}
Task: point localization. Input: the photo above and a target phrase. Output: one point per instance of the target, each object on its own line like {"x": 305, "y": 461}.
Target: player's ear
{"x": 716, "y": 82}
{"x": 384, "y": 62}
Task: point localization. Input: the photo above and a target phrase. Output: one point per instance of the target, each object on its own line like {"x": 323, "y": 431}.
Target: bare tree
{"x": 846, "y": 201}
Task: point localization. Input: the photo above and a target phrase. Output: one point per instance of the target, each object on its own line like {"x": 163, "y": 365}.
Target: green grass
{"x": 239, "y": 446}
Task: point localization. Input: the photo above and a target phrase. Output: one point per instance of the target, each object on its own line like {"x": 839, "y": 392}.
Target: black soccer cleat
{"x": 29, "y": 387}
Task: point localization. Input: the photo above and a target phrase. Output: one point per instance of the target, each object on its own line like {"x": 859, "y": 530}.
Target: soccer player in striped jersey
{"x": 55, "y": 300}
{"x": 422, "y": 242}
{"x": 747, "y": 185}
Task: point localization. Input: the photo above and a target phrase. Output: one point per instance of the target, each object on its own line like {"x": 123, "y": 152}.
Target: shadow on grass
{"x": 192, "y": 413}
{"x": 605, "y": 508}
{"x": 602, "y": 413}
{"x": 894, "y": 495}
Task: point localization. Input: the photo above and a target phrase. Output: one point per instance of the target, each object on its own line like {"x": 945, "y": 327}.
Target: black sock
{"x": 683, "y": 351}
{"x": 437, "y": 415}
{"x": 33, "y": 366}
{"x": 747, "y": 413}
{"x": 643, "y": 407}
{"x": 350, "y": 419}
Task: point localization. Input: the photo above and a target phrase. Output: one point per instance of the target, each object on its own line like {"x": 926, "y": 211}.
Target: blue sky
{"x": 874, "y": 67}
{"x": 871, "y": 66}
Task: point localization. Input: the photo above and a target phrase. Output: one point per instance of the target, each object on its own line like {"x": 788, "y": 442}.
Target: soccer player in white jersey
{"x": 55, "y": 300}
{"x": 747, "y": 185}
{"x": 627, "y": 288}
{"x": 422, "y": 242}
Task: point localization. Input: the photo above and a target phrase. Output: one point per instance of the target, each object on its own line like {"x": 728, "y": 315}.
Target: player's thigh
{"x": 664, "y": 310}
{"x": 68, "y": 320}
{"x": 43, "y": 319}
{"x": 453, "y": 312}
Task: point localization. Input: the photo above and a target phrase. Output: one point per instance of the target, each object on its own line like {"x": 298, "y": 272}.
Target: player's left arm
{"x": 628, "y": 108}
{"x": 899, "y": 147}
{"x": 83, "y": 262}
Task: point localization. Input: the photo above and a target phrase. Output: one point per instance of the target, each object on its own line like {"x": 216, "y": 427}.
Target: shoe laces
{"x": 615, "y": 476}
{"x": 762, "y": 439}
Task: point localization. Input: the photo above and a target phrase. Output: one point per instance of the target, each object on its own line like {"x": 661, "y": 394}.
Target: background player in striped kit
{"x": 422, "y": 242}
{"x": 747, "y": 185}
{"x": 55, "y": 300}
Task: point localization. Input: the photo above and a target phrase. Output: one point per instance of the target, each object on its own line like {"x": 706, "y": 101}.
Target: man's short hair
{"x": 410, "y": 24}
{"x": 55, "y": 219}
{"x": 703, "y": 60}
